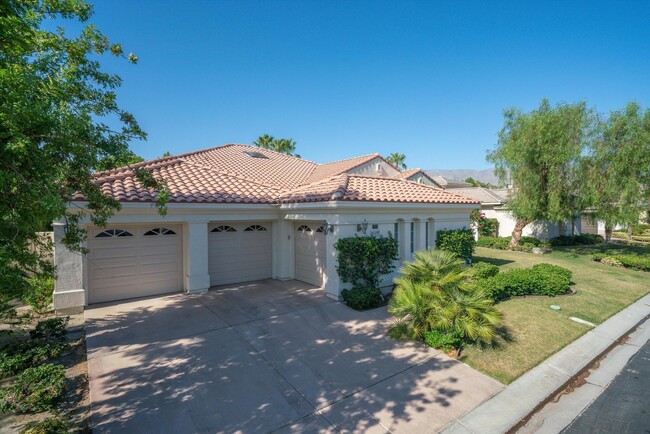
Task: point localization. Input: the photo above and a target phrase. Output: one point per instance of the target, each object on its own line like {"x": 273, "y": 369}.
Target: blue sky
{"x": 428, "y": 79}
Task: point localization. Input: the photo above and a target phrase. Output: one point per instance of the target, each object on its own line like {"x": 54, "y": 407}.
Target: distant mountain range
{"x": 486, "y": 175}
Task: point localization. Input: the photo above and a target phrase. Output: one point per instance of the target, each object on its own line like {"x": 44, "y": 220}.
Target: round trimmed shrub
{"x": 362, "y": 298}
{"x": 483, "y": 270}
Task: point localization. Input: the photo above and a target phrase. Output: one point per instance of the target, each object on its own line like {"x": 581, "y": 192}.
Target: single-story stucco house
{"x": 493, "y": 205}
{"x": 238, "y": 213}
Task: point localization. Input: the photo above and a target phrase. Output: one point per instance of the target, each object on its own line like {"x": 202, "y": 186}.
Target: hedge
{"x": 458, "y": 241}
{"x": 633, "y": 262}
{"x": 526, "y": 244}
{"x": 363, "y": 260}
{"x": 542, "y": 279}
{"x": 577, "y": 240}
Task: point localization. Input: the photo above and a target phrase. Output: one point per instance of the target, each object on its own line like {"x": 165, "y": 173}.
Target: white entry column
{"x": 331, "y": 281}
{"x": 195, "y": 257}
{"x": 69, "y": 293}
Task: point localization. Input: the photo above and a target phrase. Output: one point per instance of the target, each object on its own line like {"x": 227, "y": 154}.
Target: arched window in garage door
{"x": 111, "y": 233}
{"x": 255, "y": 228}
{"x": 303, "y": 228}
{"x": 224, "y": 228}
{"x": 159, "y": 231}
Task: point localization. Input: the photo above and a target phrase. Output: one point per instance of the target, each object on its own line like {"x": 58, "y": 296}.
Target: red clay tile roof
{"x": 226, "y": 174}
{"x": 349, "y": 187}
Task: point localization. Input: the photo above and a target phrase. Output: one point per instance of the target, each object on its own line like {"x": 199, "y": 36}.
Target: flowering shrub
{"x": 486, "y": 227}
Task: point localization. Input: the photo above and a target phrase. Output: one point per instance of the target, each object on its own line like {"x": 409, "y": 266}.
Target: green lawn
{"x": 532, "y": 331}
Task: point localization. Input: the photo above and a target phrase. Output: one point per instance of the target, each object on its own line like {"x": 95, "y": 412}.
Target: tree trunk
{"x": 517, "y": 232}
{"x": 630, "y": 230}
{"x": 608, "y": 231}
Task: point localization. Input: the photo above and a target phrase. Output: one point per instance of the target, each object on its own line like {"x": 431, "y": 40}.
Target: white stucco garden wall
{"x": 539, "y": 229}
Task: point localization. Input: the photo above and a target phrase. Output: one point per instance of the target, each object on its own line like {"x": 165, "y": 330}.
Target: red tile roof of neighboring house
{"x": 229, "y": 174}
{"x": 407, "y": 173}
{"x": 326, "y": 170}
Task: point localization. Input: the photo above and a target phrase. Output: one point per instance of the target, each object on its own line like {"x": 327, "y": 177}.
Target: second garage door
{"x": 239, "y": 252}
{"x": 310, "y": 252}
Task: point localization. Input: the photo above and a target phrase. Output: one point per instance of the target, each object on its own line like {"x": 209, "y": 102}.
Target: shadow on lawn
{"x": 494, "y": 261}
{"x": 503, "y": 336}
{"x": 170, "y": 369}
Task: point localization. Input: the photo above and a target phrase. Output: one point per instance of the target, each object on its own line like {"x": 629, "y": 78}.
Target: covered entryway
{"x": 310, "y": 251}
{"x": 134, "y": 261}
{"x": 239, "y": 252}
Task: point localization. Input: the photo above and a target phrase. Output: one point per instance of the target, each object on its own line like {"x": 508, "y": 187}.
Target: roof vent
{"x": 255, "y": 154}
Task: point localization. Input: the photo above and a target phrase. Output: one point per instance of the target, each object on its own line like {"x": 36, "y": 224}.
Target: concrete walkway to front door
{"x": 262, "y": 357}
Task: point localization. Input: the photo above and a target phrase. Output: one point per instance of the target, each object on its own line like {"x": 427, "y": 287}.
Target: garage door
{"x": 310, "y": 252}
{"x": 239, "y": 252}
{"x": 134, "y": 261}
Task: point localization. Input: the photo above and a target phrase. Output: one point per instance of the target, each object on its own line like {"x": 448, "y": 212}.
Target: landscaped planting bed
{"x": 531, "y": 330}
{"x": 43, "y": 375}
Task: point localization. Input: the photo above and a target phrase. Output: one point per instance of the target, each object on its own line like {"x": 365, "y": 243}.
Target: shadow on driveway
{"x": 262, "y": 357}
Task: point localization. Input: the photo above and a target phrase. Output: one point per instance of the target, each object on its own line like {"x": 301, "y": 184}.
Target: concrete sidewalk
{"x": 613, "y": 397}
{"x": 517, "y": 401}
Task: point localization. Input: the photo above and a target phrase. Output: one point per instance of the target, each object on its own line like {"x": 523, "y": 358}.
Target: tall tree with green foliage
{"x": 110, "y": 162}
{"x": 477, "y": 183}
{"x": 284, "y": 146}
{"x": 55, "y": 102}
{"x": 398, "y": 160}
{"x": 541, "y": 152}
{"x": 617, "y": 167}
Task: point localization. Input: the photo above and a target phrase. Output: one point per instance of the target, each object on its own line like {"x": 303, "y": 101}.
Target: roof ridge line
{"x": 342, "y": 187}
{"x": 376, "y": 154}
{"x": 124, "y": 171}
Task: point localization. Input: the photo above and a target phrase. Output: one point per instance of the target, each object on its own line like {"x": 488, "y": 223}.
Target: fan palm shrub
{"x": 435, "y": 292}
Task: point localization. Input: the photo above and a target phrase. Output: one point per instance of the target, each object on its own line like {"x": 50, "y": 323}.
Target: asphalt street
{"x": 624, "y": 407}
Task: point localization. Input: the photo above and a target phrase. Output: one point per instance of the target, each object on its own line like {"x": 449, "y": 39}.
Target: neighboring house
{"x": 238, "y": 213}
{"x": 493, "y": 205}
{"x": 419, "y": 176}
{"x": 446, "y": 182}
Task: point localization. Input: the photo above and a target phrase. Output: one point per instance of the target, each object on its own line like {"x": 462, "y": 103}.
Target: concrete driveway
{"x": 267, "y": 356}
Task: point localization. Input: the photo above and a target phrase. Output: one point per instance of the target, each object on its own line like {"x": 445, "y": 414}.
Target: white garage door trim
{"x": 239, "y": 252}
{"x": 134, "y": 261}
{"x": 310, "y": 252}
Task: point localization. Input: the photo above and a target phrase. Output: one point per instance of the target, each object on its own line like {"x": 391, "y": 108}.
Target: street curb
{"x": 506, "y": 409}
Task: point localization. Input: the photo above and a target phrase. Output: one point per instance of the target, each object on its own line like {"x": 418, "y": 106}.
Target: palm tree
{"x": 435, "y": 293}
{"x": 285, "y": 146}
{"x": 265, "y": 141}
{"x": 397, "y": 160}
